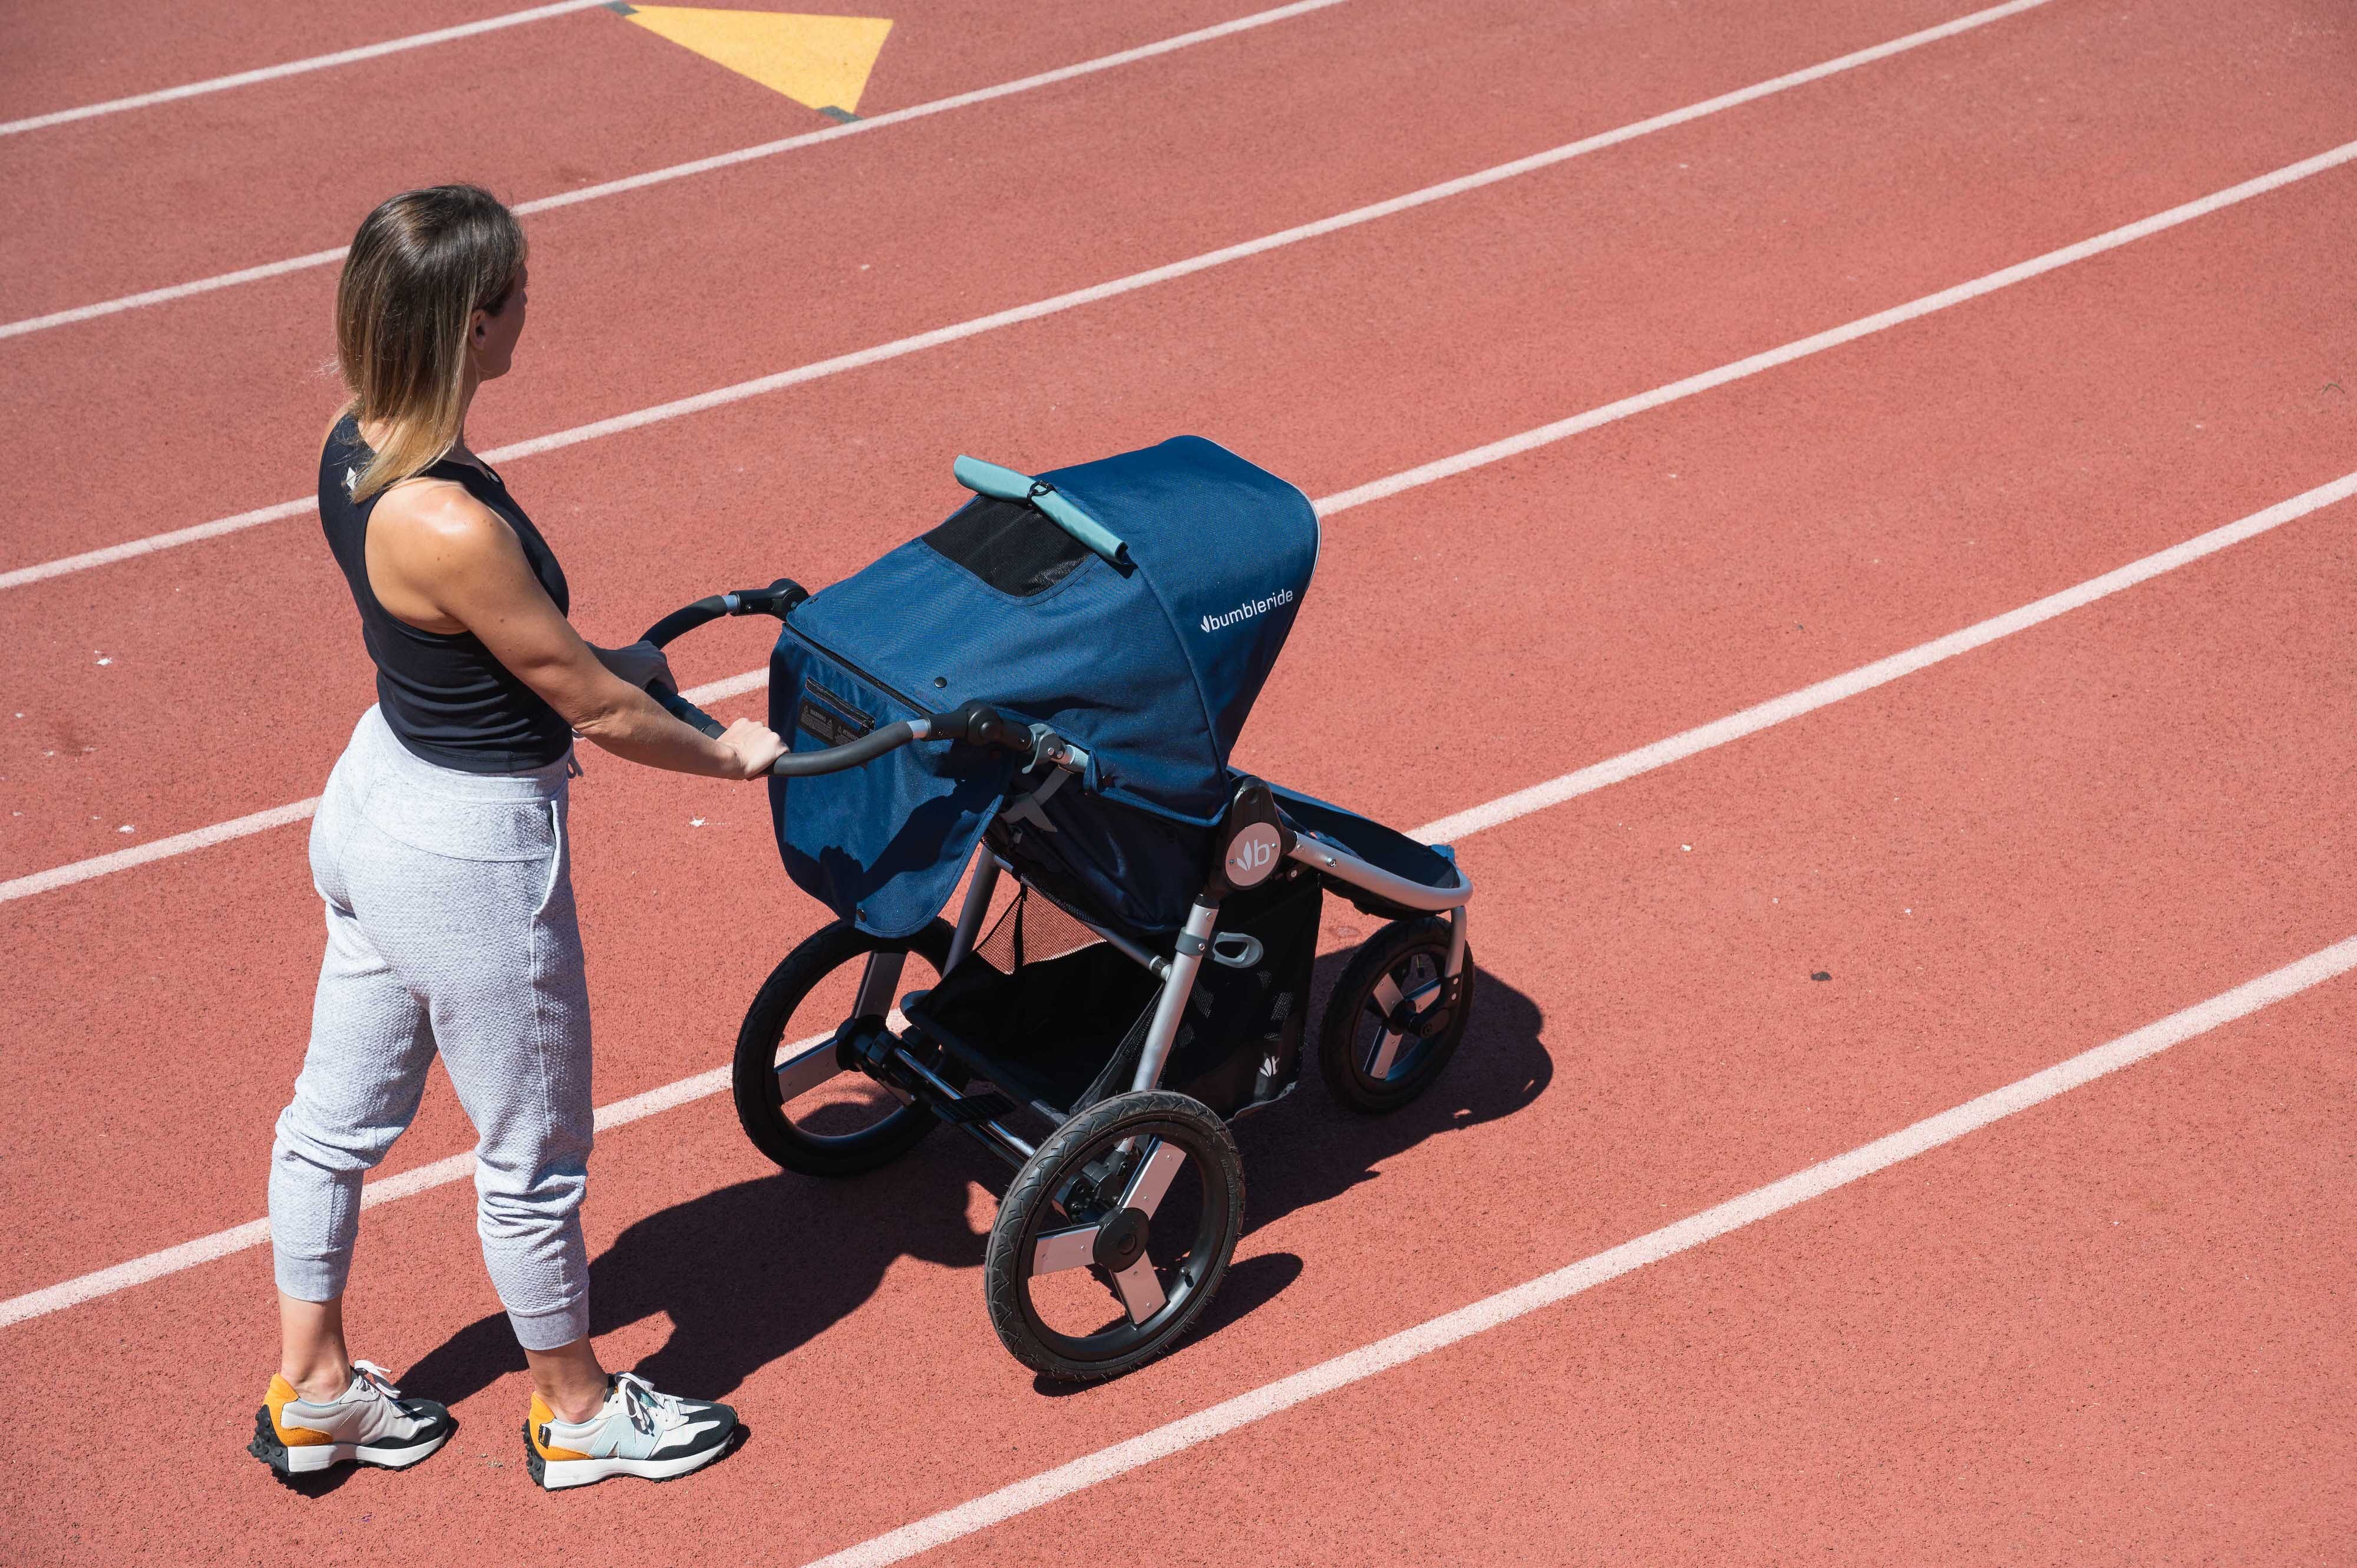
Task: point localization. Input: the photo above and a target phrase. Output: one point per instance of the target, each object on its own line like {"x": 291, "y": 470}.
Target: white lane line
{"x": 408, "y": 1183}
{"x": 1808, "y": 699}
{"x": 298, "y": 67}
{"x": 1595, "y": 777}
{"x": 262, "y": 822}
{"x": 692, "y": 166}
{"x": 1849, "y": 332}
{"x": 1076, "y": 298}
{"x": 159, "y": 849}
{"x": 1463, "y": 824}
{"x": 256, "y": 1232}
{"x": 1520, "y": 1300}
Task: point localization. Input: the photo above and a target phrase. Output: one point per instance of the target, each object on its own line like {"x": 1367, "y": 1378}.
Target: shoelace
{"x": 378, "y": 1379}
{"x": 645, "y": 1407}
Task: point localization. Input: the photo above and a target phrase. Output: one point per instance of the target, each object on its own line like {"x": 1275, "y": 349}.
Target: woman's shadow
{"x": 749, "y": 1272}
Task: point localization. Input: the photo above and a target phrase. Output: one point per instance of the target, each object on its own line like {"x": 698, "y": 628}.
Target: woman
{"x": 440, "y": 849}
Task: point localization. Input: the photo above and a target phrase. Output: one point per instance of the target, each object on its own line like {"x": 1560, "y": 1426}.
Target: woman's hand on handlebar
{"x": 752, "y": 746}
{"x": 640, "y": 664}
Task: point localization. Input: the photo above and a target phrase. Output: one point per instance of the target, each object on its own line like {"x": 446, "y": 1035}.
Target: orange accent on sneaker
{"x": 539, "y": 1417}
{"x": 281, "y": 1391}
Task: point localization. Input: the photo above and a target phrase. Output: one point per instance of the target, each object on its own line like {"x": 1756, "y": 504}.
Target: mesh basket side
{"x": 1033, "y": 929}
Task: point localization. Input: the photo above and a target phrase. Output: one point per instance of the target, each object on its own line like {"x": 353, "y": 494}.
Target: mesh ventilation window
{"x": 1011, "y": 545}
{"x": 1033, "y": 930}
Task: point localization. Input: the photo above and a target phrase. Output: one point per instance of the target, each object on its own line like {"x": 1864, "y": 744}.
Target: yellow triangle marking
{"x": 819, "y": 62}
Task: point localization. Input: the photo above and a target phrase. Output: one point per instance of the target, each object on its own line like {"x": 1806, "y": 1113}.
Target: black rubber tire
{"x": 1338, "y": 1031}
{"x": 1027, "y": 1210}
{"x": 754, "y": 1078}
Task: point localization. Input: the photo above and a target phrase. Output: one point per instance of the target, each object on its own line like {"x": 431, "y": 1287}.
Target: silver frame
{"x": 1326, "y": 855}
{"x": 1178, "y": 971}
{"x": 1177, "y": 985}
{"x": 1320, "y": 854}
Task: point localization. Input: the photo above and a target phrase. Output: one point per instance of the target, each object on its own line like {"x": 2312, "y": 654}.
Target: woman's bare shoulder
{"x": 439, "y": 517}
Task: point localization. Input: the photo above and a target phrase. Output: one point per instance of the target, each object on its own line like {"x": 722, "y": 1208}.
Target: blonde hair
{"x": 420, "y": 267}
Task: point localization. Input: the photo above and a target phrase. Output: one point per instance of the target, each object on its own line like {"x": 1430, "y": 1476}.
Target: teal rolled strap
{"x": 1004, "y": 484}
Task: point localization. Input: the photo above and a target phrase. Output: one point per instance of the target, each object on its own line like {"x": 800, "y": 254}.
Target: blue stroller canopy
{"x": 1149, "y": 655}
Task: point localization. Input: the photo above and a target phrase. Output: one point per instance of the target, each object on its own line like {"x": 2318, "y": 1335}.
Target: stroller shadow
{"x": 746, "y": 1275}
{"x": 749, "y": 1273}
{"x": 1305, "y": 1149}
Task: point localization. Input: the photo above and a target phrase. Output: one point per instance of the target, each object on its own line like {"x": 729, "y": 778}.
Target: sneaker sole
{"x": 310, "y": 1458}
{"x": 556, "y": 1475}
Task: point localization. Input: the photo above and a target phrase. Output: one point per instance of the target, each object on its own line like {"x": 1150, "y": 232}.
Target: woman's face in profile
{"x": 492, "y": 342}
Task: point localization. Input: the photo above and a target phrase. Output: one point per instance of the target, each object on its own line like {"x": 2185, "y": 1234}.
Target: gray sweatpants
{"x": 450, "y": 929}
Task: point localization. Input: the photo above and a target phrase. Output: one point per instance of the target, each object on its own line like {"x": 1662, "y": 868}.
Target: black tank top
{"x": 447, "y": 697}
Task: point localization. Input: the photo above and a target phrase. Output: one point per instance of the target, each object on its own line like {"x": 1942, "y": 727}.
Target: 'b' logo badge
{"x": 1252, "y": 854}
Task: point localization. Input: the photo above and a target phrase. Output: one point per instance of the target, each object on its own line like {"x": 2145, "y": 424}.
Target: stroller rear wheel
{"x": 797, "y": 1103}
{"x": 1393, "y": 1020}
{"x": 1114, "y": 1236}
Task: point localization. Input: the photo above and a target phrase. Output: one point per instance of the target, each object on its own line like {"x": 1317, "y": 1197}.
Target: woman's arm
{"x": 442, "y": 561}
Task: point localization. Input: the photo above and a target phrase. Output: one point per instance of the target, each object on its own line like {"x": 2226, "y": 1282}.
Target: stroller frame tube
{"x": 1160, "y": 967}
{"x": 1332, "y": 860}
{"x": 980, "y": 882}
{"x": 1177, "y": 974}
{"x": 1178, "y": 985}
{"x": 989, "y": 1133}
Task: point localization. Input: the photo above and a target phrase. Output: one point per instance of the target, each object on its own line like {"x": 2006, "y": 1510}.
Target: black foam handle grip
{"x": 686, "y": 712}
{"x": 686, "y": 618}
{"x": 775, "y": 599}
{"x": 851, "y": 754}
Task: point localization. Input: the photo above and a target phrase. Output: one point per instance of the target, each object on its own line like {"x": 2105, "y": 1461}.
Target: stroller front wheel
{"x": 797, "y": 1103}
{"x": 1114, "y": 1236}
{"x": 1393, "y": 1020}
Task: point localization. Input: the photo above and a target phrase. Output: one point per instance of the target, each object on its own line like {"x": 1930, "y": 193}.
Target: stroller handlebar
{"x": 850, "y": 754}
{"x": 775, "y": 599}
{"x": 800, "y": 764}
{"x": 686, "y": 712}
{"x": 977, "y": 724}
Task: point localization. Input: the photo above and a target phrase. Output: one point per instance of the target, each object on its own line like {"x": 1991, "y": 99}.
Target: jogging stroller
{"x": 1048, "y": 685}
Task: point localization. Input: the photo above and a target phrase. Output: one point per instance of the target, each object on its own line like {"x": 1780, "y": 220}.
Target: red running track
{"x": 759, "y": 267}
{"x": 258, "y": 174}
{"x": 2086, "y": 827}
{"x": 1683, "y": 1057}
{"x": 1441, "y": 360}
{"x": 1682, "y": 619}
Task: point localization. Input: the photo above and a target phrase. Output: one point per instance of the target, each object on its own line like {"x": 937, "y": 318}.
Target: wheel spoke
{"x": 1394, "y": 1007}
{"x": 1154, "y": 1174}
{"x": 877, "y": 982}
{"x": 1074, "y": 1247}
{"x": 798, "y": 1075}
{"x": 1141, "y": 1291}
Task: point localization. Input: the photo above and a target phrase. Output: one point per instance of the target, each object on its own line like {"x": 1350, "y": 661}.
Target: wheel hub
{"x": 1121, "y": 1240}
{"x": 1422, "y": 1012}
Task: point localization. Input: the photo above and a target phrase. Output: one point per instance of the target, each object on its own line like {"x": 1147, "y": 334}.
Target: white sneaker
{"x": 638, "y": 1432}
{"x": 368, "y": 1423}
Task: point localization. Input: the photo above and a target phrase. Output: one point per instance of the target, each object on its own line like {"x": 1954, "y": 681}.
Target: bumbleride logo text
{"x": 1248, "y": 609}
